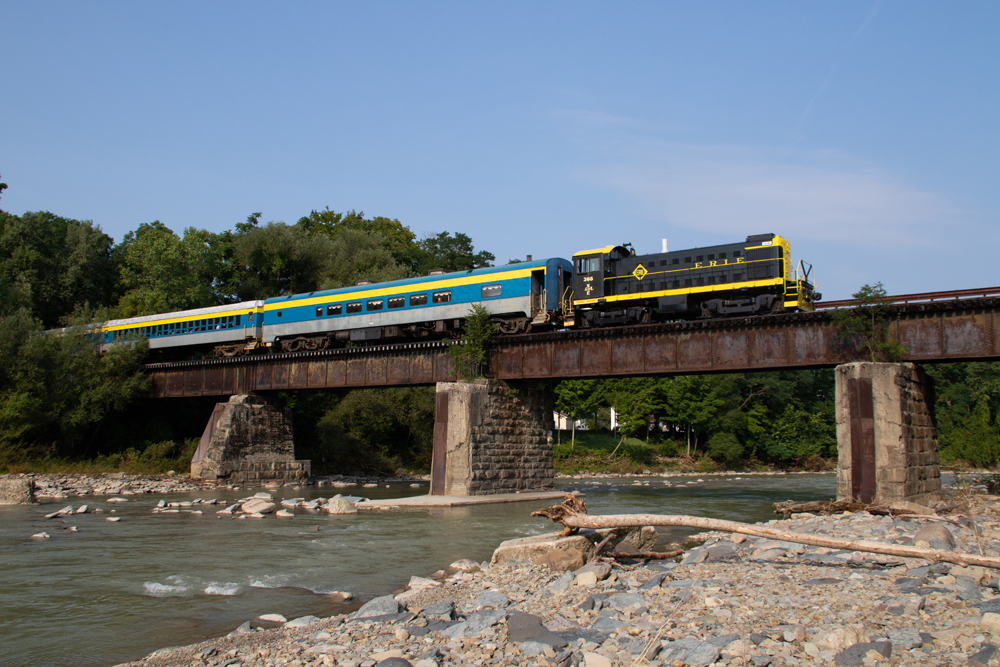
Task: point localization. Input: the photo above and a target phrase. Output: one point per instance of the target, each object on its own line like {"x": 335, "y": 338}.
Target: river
{"x": 115, "y": 591}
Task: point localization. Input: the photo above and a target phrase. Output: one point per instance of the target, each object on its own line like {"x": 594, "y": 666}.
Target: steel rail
{"x": 920, "y": 296}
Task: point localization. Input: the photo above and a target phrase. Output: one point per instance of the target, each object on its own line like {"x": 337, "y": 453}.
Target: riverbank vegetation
{"x": 63, "y": 407}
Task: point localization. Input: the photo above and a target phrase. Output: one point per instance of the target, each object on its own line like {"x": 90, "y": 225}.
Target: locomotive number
{"x": 588, "y": 279}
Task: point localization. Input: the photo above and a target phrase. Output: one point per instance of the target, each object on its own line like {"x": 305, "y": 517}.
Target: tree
{"x": 51, "y": 264}
{"x": 469, "y": 355}
{"x": 633, "y": 399}
{"x": 864, "y": 328}
{"x": 577, "y": 398}
{"x": 451, "y": 253}
{"x": 159, "y": 272}
{"x": 3, "y": 186}
{"x": 56, "y": 391}
{"x": 397, "y": 237}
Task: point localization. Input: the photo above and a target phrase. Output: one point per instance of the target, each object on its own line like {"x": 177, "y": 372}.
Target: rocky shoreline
{"x": 52, "y": 486}
{"x": 733, "y": 600}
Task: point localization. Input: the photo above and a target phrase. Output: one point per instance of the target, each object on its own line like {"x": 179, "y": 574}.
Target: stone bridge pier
{"x": 248, "y": 441}
{"x": 491, "y": 438}
{"x": 886, "y": 438}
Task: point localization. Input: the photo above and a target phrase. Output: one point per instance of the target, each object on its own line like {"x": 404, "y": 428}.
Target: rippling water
{"x": 114, "y": 592}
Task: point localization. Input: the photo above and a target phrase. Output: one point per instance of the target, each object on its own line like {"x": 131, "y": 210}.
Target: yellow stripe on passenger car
{"x": 412, "y": 288}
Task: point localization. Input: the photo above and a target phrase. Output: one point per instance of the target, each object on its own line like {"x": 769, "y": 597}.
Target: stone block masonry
{"x": 248, "y": 441}
{"x": 886, "y": 435}
{"x": 490, "y": 438}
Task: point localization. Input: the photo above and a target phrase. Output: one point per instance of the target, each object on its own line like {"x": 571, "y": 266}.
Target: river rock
{"x": 931, "y": 531}
{"x": 560, "y": 560}
{"x": 990, "y": 622}
{"x": 422, "y": 582}
{"x": 257, "y": 506}
{"x": 528, "y": 548}
{"x": 465, "y": 565}
{"x": 44, "y": 536}
{"x": 380, "y": 606}
{"x": 302, "y": 621}
{"x": 338, "y": 505}
{"x": 855, "y": 655}
{"x": 475, "y": 624}
{"x": 272, "y": 618}
{"x": 490, "y": 599}
{"x": 601, "y": 570}
{"x": 392, "y": 660}
{"x": 284, "y": 514}
{"x": 840, "y": 638}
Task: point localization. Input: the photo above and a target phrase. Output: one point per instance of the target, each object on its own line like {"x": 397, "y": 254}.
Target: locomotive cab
{"x": 592, "y": 268}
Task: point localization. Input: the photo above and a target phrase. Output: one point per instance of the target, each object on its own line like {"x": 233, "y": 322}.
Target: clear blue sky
{"x": 865, "y": 132}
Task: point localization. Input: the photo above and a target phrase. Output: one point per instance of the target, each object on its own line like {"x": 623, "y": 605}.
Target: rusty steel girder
{"x": 959, "y": 330}
{"x": 377, "y": 366}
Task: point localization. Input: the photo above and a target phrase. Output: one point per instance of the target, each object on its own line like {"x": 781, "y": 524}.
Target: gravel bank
{"x": 731, "y": 601}
{"x": 57, "y": 487}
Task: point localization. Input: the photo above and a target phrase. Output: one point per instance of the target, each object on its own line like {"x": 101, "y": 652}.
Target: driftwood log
{"x": 832, "y": 506}
{"x": 572, "y": 514}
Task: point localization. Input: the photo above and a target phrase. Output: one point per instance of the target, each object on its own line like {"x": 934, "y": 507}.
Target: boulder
{"x": 302, "y": 621}
{"x": 420, "y": 583}
{"x": 465, "y": 565}
{"x": 523, "y": 627}
{"x": 843, "y": 637}
{"x": 491, "y": 599}
{"x": 601, "y": 570}
{"x": 560, "y": 560}
{"x": 257, "y": 506}
{"x": 381, "y": 606}
{"x": 527, "y": 548}
{"x": 17, "y": 491}
{"x": 931, "y": 531}
{"x": 338, "y": 505}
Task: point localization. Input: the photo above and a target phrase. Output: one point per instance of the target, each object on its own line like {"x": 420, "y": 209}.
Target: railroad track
{"x": 920, "y": 297}
{"x": 904, "y": 304}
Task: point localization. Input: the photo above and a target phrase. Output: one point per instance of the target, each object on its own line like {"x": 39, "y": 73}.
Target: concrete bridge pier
{"x": 886, "y": 437}
{"x": 491, "y": 438}
{"x": 248, "y": 441}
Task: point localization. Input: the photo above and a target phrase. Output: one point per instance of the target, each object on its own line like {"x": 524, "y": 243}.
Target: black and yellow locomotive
{"x": 613, "y": 285}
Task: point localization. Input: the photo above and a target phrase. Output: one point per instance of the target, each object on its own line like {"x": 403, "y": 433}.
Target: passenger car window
{"x": 418, "y": 299}
{"x": 488, "y": 291}
{"x": 441, "y": 297}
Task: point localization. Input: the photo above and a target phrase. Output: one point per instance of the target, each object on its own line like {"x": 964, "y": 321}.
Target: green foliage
{"x": 725, "y": 447}
{"x": 774, "y": 417}
{"x": 967, "y": 403}
{"x": 398, "y": 240}
{"x": 451, "y": 253}
{"x": 55, "y": 391}
{"x": 864, "y": 328}
{"x": 470, "y": 356}
{"x": 52, "y": 265}
{"x": 160, "y": 272}
{"x": 380, "y": 430}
